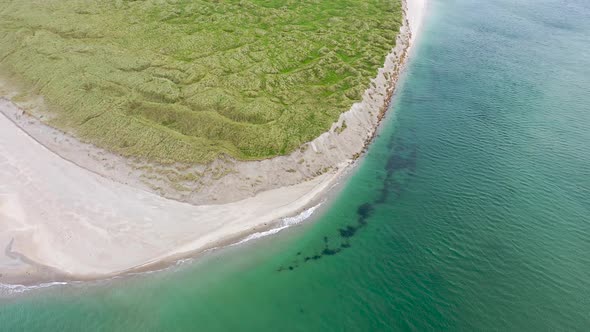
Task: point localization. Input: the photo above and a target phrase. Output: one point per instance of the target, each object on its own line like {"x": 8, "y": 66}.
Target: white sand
{"x": 59, "y": 215}
{"x": 415, "y": 15}
{"x": 62, "y": 216}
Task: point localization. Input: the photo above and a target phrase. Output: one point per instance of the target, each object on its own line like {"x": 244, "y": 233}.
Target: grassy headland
{"x": 188, "y": 80}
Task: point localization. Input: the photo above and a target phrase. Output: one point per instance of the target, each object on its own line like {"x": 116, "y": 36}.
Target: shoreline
{"x": 132, "y": 220}
{"x": 228, "y": 180}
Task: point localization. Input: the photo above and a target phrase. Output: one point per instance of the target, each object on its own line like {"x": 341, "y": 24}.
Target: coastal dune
{"x": 59, "y": 215}
{"x": 60, "y": 220}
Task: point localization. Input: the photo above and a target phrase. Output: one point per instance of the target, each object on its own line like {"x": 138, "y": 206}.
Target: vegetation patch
{"x": 189, "y": 80}
{"x": 341, "y": 128}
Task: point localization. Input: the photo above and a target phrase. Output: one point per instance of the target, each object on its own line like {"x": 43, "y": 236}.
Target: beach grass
{"x": 188, "y": 80}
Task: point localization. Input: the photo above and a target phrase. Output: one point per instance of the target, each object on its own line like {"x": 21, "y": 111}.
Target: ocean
{"x": 470, "y": 211}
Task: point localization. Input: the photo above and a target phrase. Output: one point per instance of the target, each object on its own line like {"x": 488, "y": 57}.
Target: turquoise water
{"x": 470, "y": 211}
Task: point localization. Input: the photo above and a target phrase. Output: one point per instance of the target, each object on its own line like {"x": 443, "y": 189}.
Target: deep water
{"x": 471, "y": 211}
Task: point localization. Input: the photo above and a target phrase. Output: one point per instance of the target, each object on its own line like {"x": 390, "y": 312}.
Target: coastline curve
{"x": 80, "y": 230}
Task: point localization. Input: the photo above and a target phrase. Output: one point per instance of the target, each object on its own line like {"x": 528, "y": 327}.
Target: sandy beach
{"x": 62, "y": 218}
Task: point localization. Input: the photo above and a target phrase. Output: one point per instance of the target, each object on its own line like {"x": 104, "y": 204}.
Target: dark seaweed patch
{"x": 401, "y": 162}
{"x": 395, "y": 163}
{"x": 330, "y": 252}
{"x": 365, "y": 210}
{"x": 347, "y": 232}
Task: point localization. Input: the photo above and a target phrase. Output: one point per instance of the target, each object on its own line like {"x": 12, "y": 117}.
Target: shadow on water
{"x": 400, "y": 165}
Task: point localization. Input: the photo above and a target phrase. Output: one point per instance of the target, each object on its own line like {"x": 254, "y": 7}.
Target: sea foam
{"x": 284, "y": 223}
{"x": 7, "y": 289}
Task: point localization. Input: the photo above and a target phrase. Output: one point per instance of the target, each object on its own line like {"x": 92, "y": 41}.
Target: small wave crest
{"x": 285, "y": 223}
{"x": 7, "y": 289}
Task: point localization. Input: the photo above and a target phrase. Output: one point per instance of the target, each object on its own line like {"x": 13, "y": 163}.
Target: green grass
{"x": 187, "y": 80}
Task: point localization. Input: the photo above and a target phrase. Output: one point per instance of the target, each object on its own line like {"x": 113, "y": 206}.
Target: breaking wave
{"x": 285, "y": 223}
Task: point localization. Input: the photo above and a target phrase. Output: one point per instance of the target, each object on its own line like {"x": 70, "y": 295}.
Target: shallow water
{"x": 470, "y": 211}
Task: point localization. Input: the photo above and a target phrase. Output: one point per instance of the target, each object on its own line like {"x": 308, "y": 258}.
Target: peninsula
{"x": 156, "y": 148}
